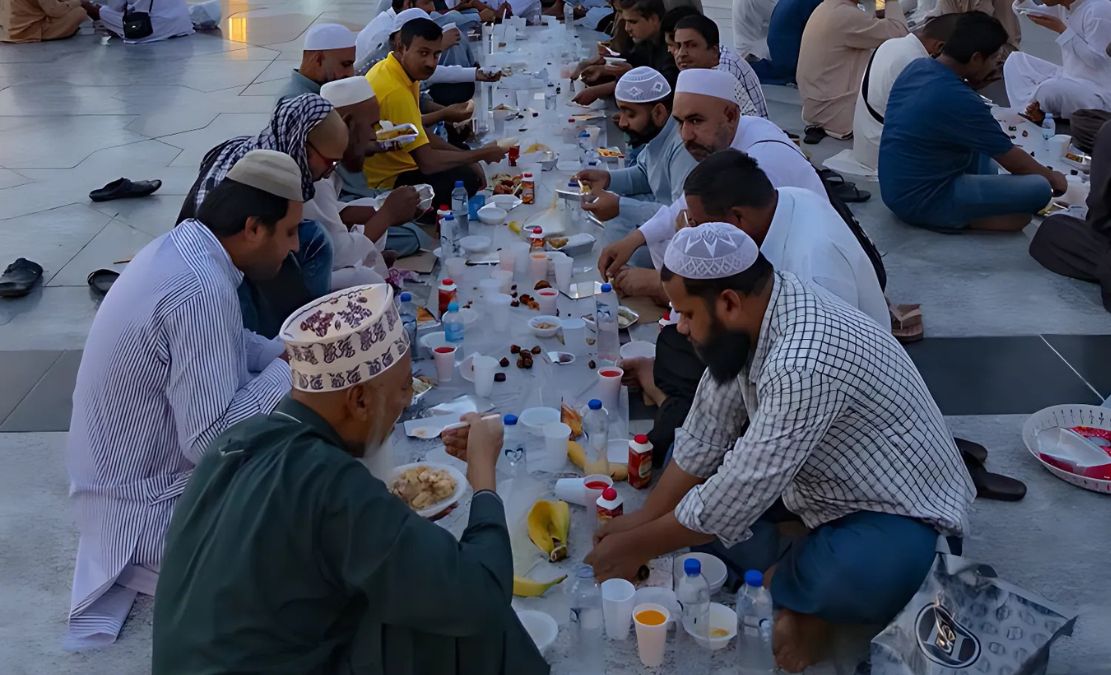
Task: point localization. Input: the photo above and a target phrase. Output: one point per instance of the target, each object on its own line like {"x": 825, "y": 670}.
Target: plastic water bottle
{"x": 568, "y": 14}
{"x": 449, "y": 237}
{"x": 605, "y": 320}
{"x": 596, "y": 425}
{"x": 585, "y": 147}
{"x": 513, "y": 447}
{"x": 693, "y": 593}
{"x": 459, "y": 201}
{"x": 453, "y": 325}
{"x": 408, "y": 311}
{"x": 754, "y": 626}
{"x": 586, "y": 623}
{"x": 1049, "y": 128}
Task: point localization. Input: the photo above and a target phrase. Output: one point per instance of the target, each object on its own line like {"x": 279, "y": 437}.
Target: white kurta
{"x": 888, "y": 62}
{"x": 168, "y": 18}
{"x": 1084, "y": 78}
{"x": 750, "y": 27}
{"x": 778, "y": 157}
{"x": 809, "y": 239}
{"x": 355, "y": 259}
{"x": 371, "y": 38}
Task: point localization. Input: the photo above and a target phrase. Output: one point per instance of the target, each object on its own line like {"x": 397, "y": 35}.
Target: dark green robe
{"x": 285, "y": 555}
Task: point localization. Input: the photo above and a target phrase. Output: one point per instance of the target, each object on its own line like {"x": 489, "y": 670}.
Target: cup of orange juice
{"x": 650, "y": 620}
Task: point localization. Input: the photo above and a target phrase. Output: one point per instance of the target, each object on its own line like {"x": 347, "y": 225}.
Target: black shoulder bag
{"x": 137, "y": 25}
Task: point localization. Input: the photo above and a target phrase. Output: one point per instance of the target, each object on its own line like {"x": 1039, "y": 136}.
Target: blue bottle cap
{"x": 448, "y": 216}
{"x": 692, "y": 567}
{"x": 458, "y": 183}
{"x": 606, "y": 288}
{"x": 584, "y": 133}
{"x": 754, "y": 578}
{"x": 585, "y": 572}
{"x": 509, "y": 420}
{"x": 594, "y": 404}
{"x": 405, "y": 296}
{"x": 453, "y": 306}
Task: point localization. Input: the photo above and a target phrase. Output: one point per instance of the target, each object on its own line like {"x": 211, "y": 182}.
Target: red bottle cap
{"x": 537, "y": 230}
{"x": 609, "y": 494}
{"x": 447, "y": 281}
{"x": 641, "y": 438}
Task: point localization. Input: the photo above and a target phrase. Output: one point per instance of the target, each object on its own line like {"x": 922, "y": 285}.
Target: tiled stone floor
{"x": 1005, "y": 337}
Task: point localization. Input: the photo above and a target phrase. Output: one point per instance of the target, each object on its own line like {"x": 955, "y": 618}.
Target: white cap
{"x": 270, "y": 171}
{"x": 406, "y": 15}
{"x": 707, "y": 82}
{"x": 325, "y": 36}
{"x": 344, "y": 338}
{"x": 710, "y": 251}
{"x": 348, "y": 91}
{"x": 642, "y": 85}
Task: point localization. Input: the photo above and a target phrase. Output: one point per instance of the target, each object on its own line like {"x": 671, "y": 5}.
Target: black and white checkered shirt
{"x": 840, "y": 421}
{"x": 750, "y": 95}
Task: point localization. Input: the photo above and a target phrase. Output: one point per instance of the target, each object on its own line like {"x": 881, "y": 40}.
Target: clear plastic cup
{"x": 507, "y": 259}
{"x": 484, "y": 369}
{"x": 574, "y": 335}
{"x": 444, "y": 357}
{"x": 571, "y": 490}
{"x": 497, "y": 307}
{"x": 618, "y": 598}
{"x": 651, "y": 632}
{"x": 455, "y": 267}
{"x": 520, "y": 259}
{"x": 537, "y": 266}
{"x": 564, "y": 266}
{"x": 554, "y": 457}
{"x": 504, "y": 279}
{"x": 489, "y": 287}
{"x": 546, "y": 298}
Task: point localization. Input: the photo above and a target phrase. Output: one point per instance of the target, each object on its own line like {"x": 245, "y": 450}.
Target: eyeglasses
{"x": 332, "y": 163}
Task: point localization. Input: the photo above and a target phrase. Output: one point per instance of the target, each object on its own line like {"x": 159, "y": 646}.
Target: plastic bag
{"x": 205, "y": 15}
{"x": 964, "y": 619}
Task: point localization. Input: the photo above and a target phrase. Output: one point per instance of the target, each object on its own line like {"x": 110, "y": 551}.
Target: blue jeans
{"x": 304, "y": 276}
{"x": 862, "y": 568}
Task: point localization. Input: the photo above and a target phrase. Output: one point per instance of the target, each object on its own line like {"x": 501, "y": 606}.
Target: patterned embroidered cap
{"x": 344, "y": 338}
{"x": 710, "y": 251}
{"x": 642, "y": 85}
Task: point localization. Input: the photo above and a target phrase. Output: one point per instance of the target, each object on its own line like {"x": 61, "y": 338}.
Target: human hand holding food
{"x": 594, "y": 178}
{"x": 615, "y": 556}
{"x": 401, "y": 204}
{"x": 604, "y": 206}
{"x": 1058, "y": 183}
{"x": 458, "y": 112}
{"x": 613, "y": 257}
{"x": 587, "y": 96}
{"x": 641, "y": 282}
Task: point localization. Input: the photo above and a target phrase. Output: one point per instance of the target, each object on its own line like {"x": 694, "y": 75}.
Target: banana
{"x": 549, "y": 526}
{"x": 577, "y": 454}
{"x": 530, "y": 588}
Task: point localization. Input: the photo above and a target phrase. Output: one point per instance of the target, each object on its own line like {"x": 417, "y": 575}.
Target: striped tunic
{"x": 167, "y": 367}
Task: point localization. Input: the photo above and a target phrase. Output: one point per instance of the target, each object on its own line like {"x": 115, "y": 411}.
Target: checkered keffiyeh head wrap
{"x": 710, "y": 251}
{"x": 642, "y": 85}
{"x": 288, "y": 131}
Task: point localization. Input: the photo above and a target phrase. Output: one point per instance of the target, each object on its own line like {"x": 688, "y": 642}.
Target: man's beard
{"x": 378, "y": 459}
{"x": 638, "y": 138}
{"x": 725, "y": 353}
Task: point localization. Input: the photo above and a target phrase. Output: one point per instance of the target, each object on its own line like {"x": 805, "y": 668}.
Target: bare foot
{"x": 799, "y": 640}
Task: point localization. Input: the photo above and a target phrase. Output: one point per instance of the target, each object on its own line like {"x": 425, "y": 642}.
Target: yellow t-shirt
{"x": 399, "y": 100}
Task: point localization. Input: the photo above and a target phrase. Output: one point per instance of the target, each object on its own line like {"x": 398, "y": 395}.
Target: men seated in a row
{"x": 308, "y": 129}
{"x": 836, "y": 46}
{"x": 358, "y": 228}
{"x": 940, "y": 142}
{"x": 709, "y": 121}
{"x": 167, "y": 367}
{"x": 839, "y": 426}
{"x": 1003, "y": 10}
{"x": 40, "y": 20}
{"x": 428, "y": 158}
{"x": 656, "y": 178}
{"x": 643, "y": 21}
{"x": 785, "y": 29}
{"x": 168, "y": 19}
{"x": 340, "y": 575}
{"x": 328, "y": 55}
{"x": 695, "y": 44}
{"x": 1084, "y": 78}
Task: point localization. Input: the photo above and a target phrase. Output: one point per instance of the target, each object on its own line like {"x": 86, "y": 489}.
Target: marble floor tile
{"x": 152, "y": 215}
{"x": 51, "y": 238}
{"x": 70, "y": 139}
{"x": 19, "y": 372}
{"x": 48, "y": 405}
{"x": 117, "y": 241}
{"x": 266, "y": 28}
{"x": 9, "y": 178}
{"x": 55, "y": 317}
{"x": 195, "y": 144}
{"x": 265, "y": 90}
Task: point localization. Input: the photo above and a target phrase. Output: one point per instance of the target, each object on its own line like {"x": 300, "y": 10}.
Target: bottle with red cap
{"x": 536, "y": 239}
{"x": 448, "y": 293}
{"x": 640, "y": 462}
{"x": 609, "y": 505}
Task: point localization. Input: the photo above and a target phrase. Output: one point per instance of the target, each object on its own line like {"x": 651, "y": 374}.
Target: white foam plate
{"x": 441, "y": 506}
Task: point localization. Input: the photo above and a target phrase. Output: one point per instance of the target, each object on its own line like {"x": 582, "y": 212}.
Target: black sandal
{"x": 989, "y": 485}
{"x": 122, "y": 188}
{"x": 814, "y": 135}
{"x": 19, "y": 278}
{"x": 845, "y": 191}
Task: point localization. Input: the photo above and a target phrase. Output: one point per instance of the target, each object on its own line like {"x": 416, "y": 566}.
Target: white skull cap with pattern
{"x": 642, "y": 85}
{"x": 347, "y": 91}
{"x": 707, "y": 82}
{"x": 406, "y": 15}
{"x": 344, "y": 338}
{"x": 710, "y": 251}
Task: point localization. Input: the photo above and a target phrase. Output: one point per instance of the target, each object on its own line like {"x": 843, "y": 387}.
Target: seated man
{"x": 839, "y": 426}
{"x": 784, "y": 41}
{"x": 836, "y": 46}
{"x": 1000, "y": 9}
{"x": 40, "y": 20}
{"x": 358, "y": 229}
{"x": 307, "y": 129}
{"x": 750, "y": 27}
{"x": 168, "y": 18}
{"x": 644, "y": 114}
{"x": 1077, "y": 248}
{"x": 167, "y": 367}
{"x": 427, "y": 159}
{"x": 696, "y": 45}
{"x": 709, "y": 120}
{"x": 939, "y": 140}
{"x": 642, "y": 20}
{"x": 328, "y": 55}
{"x": 1084, "y": 79}
{"x": 885, "y": 65}
{"x": 287, "y": 556}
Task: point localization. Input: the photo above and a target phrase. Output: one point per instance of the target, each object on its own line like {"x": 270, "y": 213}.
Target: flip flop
{"x": 993, "y": 485}
{"x": 813, "y": 135}
{"x": 122, "y": 188}
{"x": 19, "y": 278}
{"x": 845, "y": 191}
{"x": 906, "y": 323}
{"x": 972, "y": 449}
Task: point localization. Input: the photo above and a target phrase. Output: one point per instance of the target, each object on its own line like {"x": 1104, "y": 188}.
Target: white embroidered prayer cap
{"x": 406, "y": 15}
{"x": 348, "y": 91}
{"x": 270, "y": 171}
{"x": 344, "y": 338}
{"x": 325, "y": 36}
{"x": 642, "y": 85}
{"x": 710, "y": 251}
{"x": 707, "y": 82}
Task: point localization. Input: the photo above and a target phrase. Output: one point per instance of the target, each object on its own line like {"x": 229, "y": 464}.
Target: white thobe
{"x": 809, "y": 239}
{"x": 1084, "y": 78}
{"x": 373, "y": 37}
{"x": 778, "y": 157}
{"x": 887, "y": 63}
{"x": 750, "y": 27}
{"x": 167, "y": 367}
{"x": 168, "y": 18}
{"x": 356, "y": 259}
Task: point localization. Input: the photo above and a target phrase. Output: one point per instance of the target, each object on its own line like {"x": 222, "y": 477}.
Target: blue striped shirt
{"x": 167, "y": 366}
